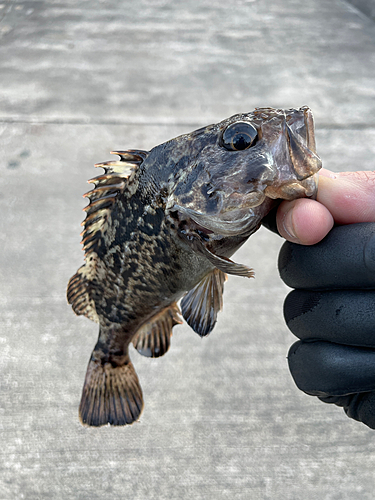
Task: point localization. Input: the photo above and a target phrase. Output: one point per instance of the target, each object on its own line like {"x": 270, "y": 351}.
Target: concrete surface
{"x": 222, "y": 419}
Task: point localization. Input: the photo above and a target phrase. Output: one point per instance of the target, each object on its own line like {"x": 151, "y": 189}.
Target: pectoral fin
{"x": 224, "y": 264}
{"x": 201, "y": 305}
{"x": 154, "y": 337}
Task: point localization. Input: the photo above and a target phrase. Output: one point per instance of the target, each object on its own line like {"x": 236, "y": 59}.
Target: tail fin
{"x": 111, "y": 394}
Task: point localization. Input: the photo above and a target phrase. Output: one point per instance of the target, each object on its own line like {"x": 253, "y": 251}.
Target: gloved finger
{"x": 360, "y": 406}
{"x": 341, "y": 316}
{"x": 344, "y": 259}
{"x": 326, "y": 369}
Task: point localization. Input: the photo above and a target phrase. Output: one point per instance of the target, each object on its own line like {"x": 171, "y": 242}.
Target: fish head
{"x": 243, "y": 164}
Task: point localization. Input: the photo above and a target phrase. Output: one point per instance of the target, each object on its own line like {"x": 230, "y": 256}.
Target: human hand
{"x": 332, "y": 307}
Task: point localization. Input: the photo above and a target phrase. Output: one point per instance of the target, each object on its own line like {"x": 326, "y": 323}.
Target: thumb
{"x": 349, "y": 196}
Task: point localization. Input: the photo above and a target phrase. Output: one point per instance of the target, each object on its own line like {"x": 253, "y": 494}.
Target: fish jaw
{"x": 307, "y": 188}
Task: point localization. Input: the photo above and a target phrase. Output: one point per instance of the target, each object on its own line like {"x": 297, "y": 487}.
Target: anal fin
{"x": 153, "y": 338}
{"x": 202, "y": 303}
{"x": 111, "y": 394}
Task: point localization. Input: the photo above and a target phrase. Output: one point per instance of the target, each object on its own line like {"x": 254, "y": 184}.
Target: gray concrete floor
{"x": 222, "y": 418}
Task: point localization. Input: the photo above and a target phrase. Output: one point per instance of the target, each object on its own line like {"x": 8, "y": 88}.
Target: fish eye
{"x": 239, "y": 136}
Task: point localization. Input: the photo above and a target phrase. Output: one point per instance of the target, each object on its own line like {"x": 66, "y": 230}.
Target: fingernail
{"x": 288, "y": 224}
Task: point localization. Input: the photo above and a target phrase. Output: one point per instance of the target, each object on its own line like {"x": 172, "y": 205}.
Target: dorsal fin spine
{"x": 103, "y": 202}
{"x": 101, "y": 187}
{"x": 107, "y": 188}
{"x": 92, "y": 218}
{"x": 122, "y": 168}
{"x": 89, "y": 237}
{"x": 92, "y": 227}
{"x": 99, "y": 193}
{"x": 137, "y": 155}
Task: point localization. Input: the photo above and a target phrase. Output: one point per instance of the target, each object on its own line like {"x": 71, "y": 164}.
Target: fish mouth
{"x": 302, "y": 147}
{"x": 298, "y": 133}
{"x": 307, "y": 188}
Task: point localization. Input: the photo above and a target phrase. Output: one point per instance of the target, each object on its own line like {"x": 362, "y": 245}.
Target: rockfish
{"x": 161, "y": 226}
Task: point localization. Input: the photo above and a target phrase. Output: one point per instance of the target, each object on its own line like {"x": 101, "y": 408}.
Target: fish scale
{"x": 162, "y": 225}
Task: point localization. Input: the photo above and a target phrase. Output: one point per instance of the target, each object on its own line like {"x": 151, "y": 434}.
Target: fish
{"x": 161, "y": 227}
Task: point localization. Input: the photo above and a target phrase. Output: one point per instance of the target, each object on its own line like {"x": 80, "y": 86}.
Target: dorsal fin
{"x": 107, "y": 188}
{"x": 102, "y": 198}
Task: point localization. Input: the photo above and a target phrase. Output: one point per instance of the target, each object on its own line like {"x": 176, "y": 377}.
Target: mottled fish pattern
{"x": 161, "y": 226}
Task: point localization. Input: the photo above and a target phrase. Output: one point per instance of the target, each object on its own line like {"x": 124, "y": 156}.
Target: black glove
{"x": 332, "y": 312}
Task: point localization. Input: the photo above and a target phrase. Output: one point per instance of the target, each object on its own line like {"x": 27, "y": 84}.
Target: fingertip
{"x": 349, "y": 196}
{"x": 312, "y": 221}
{"x": 324, "y": 172}
{"x": 304, "y": 221}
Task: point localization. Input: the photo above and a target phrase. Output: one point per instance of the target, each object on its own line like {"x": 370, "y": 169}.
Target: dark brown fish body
{"x": 166, "y": 222}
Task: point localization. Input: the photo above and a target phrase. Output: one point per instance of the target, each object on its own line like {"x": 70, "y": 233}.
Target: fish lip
{"x": 314, "y": 195}
{"x": 307, "y": 188}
